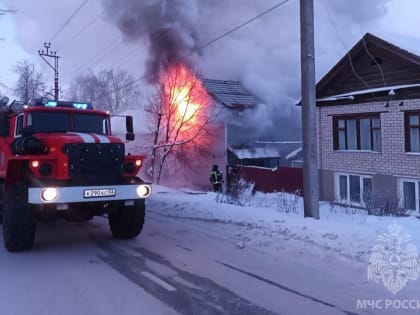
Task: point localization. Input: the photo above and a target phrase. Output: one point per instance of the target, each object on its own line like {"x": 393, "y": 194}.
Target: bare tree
{"x": 30, "y": 84}
{"x": 181, "y": 113}
{"x": 111, "y": 90}
{"x": 85, "y": 88}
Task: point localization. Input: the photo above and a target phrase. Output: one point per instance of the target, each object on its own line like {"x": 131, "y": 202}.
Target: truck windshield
{"x": 61, "y": 122}
{"x": 90, "y": 123}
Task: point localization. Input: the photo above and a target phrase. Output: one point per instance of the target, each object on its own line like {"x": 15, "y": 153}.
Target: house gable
{"x": 398, "y": 68}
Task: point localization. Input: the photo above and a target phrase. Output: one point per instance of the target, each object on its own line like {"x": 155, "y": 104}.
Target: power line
{"x": 139, "y": 50}
{"x": 69, "y": 20}
{"x": 243, "y": 24}
{"x": 213, "y": 40}
{"x": 101, "y": 54}
{"x": 82, "y": 30}
{"x": 344, "y": 46}
{"x": 374, "y": 60}
{"x": 108, "y": 52}
{"x": 131, "y": 83}
{"x": 132, "y": 53}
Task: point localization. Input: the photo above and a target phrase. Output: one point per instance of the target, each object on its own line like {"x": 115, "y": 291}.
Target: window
{"x": 412, "y": 132}
{"x": 410, "y": 194}
{"x": 91, "y": 123}
{"x": 49, "y": 122}
{"x": 353, "y": 189}
{"x": 19, "y": 125}
{"x": 43, "y": 121}
{"x": 357, "y": 133}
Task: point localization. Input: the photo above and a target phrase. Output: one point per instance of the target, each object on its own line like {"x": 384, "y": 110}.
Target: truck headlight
{"x": 143, "y": 191}
{"x": 49, "y": 194}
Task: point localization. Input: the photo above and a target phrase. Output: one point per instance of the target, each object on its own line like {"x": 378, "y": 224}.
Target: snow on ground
{"x": 268, "y": 217}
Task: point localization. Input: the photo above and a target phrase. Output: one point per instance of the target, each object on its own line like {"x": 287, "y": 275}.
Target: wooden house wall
{"x": 397, "y": 69}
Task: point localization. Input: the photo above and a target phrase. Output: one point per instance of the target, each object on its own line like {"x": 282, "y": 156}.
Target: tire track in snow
{"x": 191, "y": 294}
{"x": 250, "y": 274}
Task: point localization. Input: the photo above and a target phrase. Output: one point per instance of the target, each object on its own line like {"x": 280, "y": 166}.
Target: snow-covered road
{"x": 176, "y": 266}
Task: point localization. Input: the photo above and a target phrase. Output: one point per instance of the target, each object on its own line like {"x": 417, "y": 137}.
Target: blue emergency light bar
{"x": 81, "y": 105}
{"x": 75, "y": 105}
{"x": 51, "y": 104}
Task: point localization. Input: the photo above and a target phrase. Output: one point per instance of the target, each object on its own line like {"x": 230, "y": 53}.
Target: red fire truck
{"x": 59, "y": 160}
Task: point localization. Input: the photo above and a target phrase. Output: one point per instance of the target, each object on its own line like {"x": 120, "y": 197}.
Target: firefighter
{"x": 216, "y": 178}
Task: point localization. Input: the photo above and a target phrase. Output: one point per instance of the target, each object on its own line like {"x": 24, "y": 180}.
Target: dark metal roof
{"x": 230, "y": 93}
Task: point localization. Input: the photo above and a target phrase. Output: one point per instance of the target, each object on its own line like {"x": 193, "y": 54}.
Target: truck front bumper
{"x": 76, "y": 194}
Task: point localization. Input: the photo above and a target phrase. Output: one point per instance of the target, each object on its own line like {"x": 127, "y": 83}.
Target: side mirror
{"x": 4, "y": 124}
{"x": 129, "y": 136}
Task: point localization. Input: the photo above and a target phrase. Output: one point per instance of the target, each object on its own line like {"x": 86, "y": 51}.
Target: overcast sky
{"x": 263, "y": 55}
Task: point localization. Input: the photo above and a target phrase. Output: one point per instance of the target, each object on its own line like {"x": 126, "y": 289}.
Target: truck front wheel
{"x": 127, "y": 221}
{"x": 19, "y": 219}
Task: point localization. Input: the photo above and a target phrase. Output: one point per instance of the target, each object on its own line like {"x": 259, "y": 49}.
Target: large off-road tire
{"x": 19, "y": 219}
{"x": 127, "y": 221}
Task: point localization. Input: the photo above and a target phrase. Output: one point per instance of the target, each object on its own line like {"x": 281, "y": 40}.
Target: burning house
{"x": 195, "y": 122}
{"x": 226, "y": 137}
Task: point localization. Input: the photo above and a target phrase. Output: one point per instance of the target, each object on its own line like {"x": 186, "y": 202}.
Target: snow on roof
{"x": 230, "y": 93}
{"x": 294, "y": 154}
{"x": 255, "y": 153}
{"x": 278, "y": 142}
{"x": 407, "y": 43}
{"x": 351, "y": 95}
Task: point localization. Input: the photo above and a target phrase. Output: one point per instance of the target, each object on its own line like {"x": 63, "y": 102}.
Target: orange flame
{"x": 185, "y": 92}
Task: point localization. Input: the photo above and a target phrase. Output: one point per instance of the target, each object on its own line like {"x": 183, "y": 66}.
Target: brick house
{"x": 368, "y": 118}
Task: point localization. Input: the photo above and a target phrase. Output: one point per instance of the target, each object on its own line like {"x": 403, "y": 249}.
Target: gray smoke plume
{"x": 165, "y": 24}
{"x": 264, "y": 56}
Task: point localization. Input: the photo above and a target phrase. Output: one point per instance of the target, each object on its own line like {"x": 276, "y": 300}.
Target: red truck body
{"x": 60, "y": 160}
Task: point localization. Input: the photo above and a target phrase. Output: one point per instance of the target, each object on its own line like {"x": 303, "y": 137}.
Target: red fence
{"x": 289, "y": 179}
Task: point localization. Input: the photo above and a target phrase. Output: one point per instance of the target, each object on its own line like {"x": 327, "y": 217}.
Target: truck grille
{"x": 95, "y": 163}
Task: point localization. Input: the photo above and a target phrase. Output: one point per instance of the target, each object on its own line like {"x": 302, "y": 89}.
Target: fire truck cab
{"x": 59, "y": 160}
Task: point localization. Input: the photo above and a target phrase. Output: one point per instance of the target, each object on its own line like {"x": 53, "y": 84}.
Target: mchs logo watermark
{"x": 393, "y": 262}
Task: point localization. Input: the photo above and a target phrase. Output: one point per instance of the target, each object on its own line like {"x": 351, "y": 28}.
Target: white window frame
{"x": 337, "y": 188}
{"x": 417, "y": 189}
{"x": 16, "y": 124}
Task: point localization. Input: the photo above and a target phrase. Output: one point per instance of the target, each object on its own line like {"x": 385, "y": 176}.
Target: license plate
{"x": 98, "y": 193}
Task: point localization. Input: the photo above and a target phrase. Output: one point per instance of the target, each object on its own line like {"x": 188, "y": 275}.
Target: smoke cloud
{"x": 166, "y": 25}
{"x": 264, "y": 56}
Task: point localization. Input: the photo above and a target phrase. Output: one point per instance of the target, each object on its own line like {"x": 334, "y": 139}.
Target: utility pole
{"x": 51, "y": 54}
{"x": 309, "y": 132}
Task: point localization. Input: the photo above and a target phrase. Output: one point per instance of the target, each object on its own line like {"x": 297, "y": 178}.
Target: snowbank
{"x": 275, "y": 223}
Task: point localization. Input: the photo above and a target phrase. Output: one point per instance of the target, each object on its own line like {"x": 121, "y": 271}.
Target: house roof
{"x": 405, "y": 51}
{"x": 296, "y": 154}
{"x": 255, "y": 153}
{"x": 391, "y": 89}
{"x": 230, "y": 93}
{"x": 403, "y": 42}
